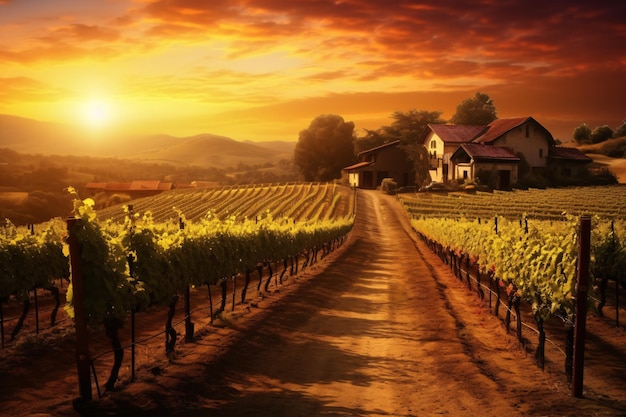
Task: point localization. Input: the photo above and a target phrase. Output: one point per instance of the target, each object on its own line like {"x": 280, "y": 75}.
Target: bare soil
{"x": 380, "y": 327}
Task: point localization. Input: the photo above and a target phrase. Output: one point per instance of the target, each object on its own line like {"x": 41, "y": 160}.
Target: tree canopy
{"x": 582, "y": 133}
{"x": 406, "y": 127}
{"x": 620, "y": 130}
{"x": 601, "y": 133}
{"x": 325, "y": 148}
{"x": 476, "y": 110}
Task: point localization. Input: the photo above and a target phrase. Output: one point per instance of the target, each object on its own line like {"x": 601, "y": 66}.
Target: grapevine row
{"x": 141, "y": 262}
{"x": 550, "y": 204}
{"x": 537, "y": 260}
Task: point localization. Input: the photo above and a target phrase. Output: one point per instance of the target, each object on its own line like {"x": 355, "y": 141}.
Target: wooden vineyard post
{"x": 584, "y": 245}
{"x": 1, "y": 325}
{"x": 80, "y": 319}
{"x": 133, "y": 345}
{"x": 189, "y": 327}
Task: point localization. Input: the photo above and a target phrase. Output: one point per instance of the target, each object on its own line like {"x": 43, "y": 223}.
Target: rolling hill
{"x": 29, "y": 136}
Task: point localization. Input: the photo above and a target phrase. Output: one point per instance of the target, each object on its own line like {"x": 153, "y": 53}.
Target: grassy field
{"x": 616, "y": 165}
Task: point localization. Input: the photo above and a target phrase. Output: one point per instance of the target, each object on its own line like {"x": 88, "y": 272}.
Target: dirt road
{"x": 379, "y": 328}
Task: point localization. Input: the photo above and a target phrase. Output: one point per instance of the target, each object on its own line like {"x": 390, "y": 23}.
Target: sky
{"x": 264, "y": 69}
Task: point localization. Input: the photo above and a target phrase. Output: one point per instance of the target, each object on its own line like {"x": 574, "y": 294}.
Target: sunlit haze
{"x": 263, "y": 69}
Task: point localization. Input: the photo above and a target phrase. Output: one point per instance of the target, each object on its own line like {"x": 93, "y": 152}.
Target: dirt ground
{"x": 378, "y": 328}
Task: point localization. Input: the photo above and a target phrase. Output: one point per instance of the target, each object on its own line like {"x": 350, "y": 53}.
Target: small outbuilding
{"x": 385, "y": 161}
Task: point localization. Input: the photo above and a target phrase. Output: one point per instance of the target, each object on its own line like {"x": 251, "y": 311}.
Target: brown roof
{"x": 499, "y": 127}
{"x": 384, "y": 145}
{"x": 357, "y": 166}
{"x": 456, "y": 133}
{"x": 480, "y": 152}
{"x": 570, "y": 154}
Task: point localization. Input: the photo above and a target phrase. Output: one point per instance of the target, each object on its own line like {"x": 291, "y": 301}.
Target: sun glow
{"x": 96, "y": 114}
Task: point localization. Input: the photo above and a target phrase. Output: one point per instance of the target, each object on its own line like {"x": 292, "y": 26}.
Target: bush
{"x": 530, "y": 180}
{"x": 389, "y": 186}
{"x": 602, "y": 177}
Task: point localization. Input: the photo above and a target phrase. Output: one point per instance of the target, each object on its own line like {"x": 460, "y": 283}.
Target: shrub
{"x": 389, "y": 186}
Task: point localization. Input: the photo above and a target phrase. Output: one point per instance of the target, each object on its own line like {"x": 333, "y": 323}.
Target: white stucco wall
{"x": 534, "y": 147}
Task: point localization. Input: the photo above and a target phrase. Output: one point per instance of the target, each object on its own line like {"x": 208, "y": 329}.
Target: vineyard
{"x": 134, "y": 258}
{"x": 296, "y": 201}
{"x": 525, "y": 243}
{"x": 204, "y": 249}
{"x": 550, "y": 204}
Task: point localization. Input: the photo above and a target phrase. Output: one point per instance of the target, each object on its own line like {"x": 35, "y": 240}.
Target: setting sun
{"x": 96, "y": 114}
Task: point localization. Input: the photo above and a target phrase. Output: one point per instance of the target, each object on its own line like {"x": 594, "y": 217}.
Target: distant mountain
{"x": 208, "y": 150}
{"x": 35, "y": 137}
{"x": 29, "y": 136}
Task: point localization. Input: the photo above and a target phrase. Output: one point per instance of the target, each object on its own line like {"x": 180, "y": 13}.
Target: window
{"x": 465, "y": 175}
{"x": 527, "y": 131}
{"x": 540, "y": 153}
{"x": 433, "y": 144}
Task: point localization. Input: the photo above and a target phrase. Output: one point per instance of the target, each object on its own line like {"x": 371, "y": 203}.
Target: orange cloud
{"x": 264, "y": 62}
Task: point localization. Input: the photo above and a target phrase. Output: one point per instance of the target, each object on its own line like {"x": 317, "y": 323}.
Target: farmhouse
{"x": 385, "y": 161}
{"x": 498, "y": 153}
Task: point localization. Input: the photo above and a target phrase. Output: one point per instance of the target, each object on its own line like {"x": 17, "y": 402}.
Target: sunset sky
{"x": 263, "y": 69}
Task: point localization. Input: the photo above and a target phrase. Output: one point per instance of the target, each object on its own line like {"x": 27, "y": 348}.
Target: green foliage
{"x": 389, "y": 186}
{"x": 476, "y": 110}
{"x": 407, "y": 126}
{"x": 620, "y": 131}
{"x": 325, "y": 148}
{"x": 582, "y": 134}
{"x": 139, "y": 263}
{"x": 540, "y": 262}
{"x": 535, "y": 249}
{"x": 609, "y": 252}
{"x": 601, "y": 133}
{"x": 108, "y": 287}
{"x": 30, "y": 259}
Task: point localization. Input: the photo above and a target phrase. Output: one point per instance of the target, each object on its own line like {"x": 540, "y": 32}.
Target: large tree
{"x": 324, "y": 148}
{"x": 407, "y": 126}
{"x": 476, "y": 110}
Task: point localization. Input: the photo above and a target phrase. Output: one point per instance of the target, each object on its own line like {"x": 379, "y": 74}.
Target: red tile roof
{"x": 480, "y": 152}
{"x": 117, "y": 186}
{"x": 144, "y": 185}
{"x": 499, "y": 127}
{"x": 456, "y": 133}
{"x": 572, "y": 154}
{"x": 154, "y": 185}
